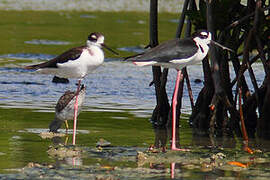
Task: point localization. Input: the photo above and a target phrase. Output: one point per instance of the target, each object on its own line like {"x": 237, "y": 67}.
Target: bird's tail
{"x": 132, "y": 58}
{"x": 137, "y": 60}
{"x": 41, "y": 65}
{"x": 55, "y": 125}
{"x": 36, "y": 66}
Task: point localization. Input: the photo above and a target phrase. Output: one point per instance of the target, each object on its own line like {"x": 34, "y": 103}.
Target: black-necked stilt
{"x": 176, "y": 53}
{"x": 64, "y": 109}
{"x": 76, "y": 63}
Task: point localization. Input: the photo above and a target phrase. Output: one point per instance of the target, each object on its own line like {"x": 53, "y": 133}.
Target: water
{"x": 118, "y": 104}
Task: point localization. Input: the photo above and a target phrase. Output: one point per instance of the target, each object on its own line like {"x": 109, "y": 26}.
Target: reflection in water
{"x": 73, "y": 161}
{"x": 57, "y": 140}
{"x": 218, "y": 154}
{"x": 162, "y": 134}
{"x": 160, "y": 138}
{"x": 65, "y": 157}
{"x": 213, "y": 142}
{"x": 172, "y": 170}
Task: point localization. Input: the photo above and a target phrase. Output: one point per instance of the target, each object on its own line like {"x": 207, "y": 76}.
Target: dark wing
{"x": 64, "y": 100}
{"x": 71, "y": 54}
{"x": 167, "y": 51}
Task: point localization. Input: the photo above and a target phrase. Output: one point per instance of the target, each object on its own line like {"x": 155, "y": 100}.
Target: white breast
{"x": 90, "y": 59}
{"x": 196, "y": 58}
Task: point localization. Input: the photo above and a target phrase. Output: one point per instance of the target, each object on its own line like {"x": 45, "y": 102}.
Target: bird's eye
{"x": 203, "y": 35}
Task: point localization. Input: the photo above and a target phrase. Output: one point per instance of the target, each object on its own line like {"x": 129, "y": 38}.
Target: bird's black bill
{"x": 223, "y": 47}
{"x": 105, "y": 46}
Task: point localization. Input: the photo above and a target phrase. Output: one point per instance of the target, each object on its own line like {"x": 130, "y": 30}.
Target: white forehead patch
{"x": 93, "y": 36}
{"x": 204, "y": 33}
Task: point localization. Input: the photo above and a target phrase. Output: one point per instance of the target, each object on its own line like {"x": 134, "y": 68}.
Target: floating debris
{"x": 235, "y": 163}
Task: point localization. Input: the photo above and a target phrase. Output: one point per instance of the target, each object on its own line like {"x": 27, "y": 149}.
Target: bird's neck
{"x": 203, "y": 47}
{"x": 90, "y": 44}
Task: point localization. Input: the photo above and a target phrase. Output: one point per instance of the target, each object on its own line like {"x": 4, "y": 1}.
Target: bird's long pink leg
{"x": 76, "y": 113}
{"x": 174, "y": 103}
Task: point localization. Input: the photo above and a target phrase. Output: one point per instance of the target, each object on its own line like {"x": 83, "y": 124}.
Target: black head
{"x": 205, "y": 37}
{"x": 97, "y": 39}
{"x": 202, "y": 37}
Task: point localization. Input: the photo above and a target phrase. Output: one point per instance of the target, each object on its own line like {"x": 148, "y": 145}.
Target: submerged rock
{"x": 166, "y": 165}
{"x": 64, "y": 151}
{"x": 50, "y": 135}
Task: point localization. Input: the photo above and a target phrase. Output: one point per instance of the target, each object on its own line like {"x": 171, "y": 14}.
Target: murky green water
{"x": 119, "y": 101}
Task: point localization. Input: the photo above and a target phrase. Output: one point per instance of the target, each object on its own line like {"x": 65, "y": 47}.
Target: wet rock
{"x": 218, "y": 156}
{"x": 206, "y": 167}
{"x": 150, "y": 165}
{"x": 64, "y": 151}
{"x": 50, "y": 135}
{"x": 32, "y": 164}
{"x": 261, "y": 160}
{"x": 126, "y": 154}
{"x": 141, "y": 158}
{"x": 103, "y": 143}
{"x": 102, "y": 177}
{"x": 153, "y": 149}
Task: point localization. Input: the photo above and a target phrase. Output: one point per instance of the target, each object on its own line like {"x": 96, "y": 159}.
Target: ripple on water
{"x": 136, "y": 49}
{"x": 88, "y": 16}
{"x": 29, "y": 56}
{"x": 46, "y": 42}
{"x": 176, "y": 21}
{"x": 21, "y": 82}
{"x": 115, "y": 86}
{"x": 12, "y": 70}
{"x": 40, "y": 130}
